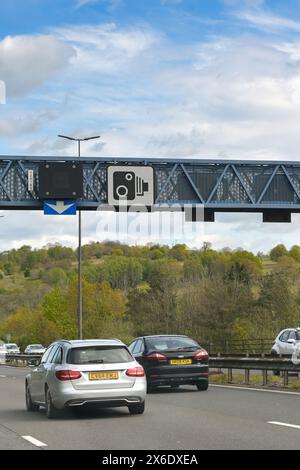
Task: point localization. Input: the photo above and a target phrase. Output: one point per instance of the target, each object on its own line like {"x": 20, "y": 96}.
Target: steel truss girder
{"x": 220, "y": 185}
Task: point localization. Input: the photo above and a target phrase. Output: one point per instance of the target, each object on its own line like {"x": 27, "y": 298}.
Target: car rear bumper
{"x": 105, "y": 402}
{"x": 156, "y": 379}
{"x": 66, "y": 395}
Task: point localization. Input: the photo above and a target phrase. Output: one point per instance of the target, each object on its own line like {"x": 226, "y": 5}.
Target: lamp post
{"x": 79, "y": 303}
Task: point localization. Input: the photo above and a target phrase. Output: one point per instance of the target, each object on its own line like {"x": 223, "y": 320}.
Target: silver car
{"x": 86, "y": 372}
{"x": 35, "y": 349}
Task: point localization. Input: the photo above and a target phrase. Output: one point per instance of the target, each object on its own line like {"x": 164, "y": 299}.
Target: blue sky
{"x": 185, "y": 78}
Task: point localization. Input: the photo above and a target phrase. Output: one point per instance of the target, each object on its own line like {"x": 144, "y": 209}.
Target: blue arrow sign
{"x": 67, "y": 207}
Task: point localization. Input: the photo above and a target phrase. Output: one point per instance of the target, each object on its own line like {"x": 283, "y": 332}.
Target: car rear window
{"x": 170, "y": 343}
{"x": 99, "y": 355}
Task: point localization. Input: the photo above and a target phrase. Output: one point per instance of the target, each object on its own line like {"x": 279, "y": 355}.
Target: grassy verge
{"x": 255, "y": 380}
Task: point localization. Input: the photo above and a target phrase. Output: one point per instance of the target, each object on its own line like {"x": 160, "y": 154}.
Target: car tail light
{"x": 135, "y": 372}
{"x": 201, "y": 354}
{"x": 157, "y": 356}
{"x": 68, "y": 375}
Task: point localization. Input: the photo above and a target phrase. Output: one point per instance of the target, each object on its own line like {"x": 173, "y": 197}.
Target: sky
{"x": 160, "y": 78}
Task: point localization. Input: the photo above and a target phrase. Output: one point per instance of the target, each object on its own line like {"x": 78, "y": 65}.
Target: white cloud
{"x": 233, "y": 230}
{"x": 171, "y": 2}
{"x": 26, "y": 62}
{"x": 106, "y": 48}
{"x": 111, "y": 4}
{"x": 82, "y": 3}
{"x": 226, "y": 97}
{"x": 244, "y": 3}
{"x": 12, "y": 126}
{"x": 267, "y": 21}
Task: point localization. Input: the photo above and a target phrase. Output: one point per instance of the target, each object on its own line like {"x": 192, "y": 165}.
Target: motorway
{"x": 221, "y": 418}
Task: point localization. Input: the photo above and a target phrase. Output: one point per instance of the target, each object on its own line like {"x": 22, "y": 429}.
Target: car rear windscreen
{"x": 170, "y": 343}
{"x": 99, "y": 355}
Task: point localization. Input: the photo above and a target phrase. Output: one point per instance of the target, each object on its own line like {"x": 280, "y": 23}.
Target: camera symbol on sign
{"x": 128, "y": 186}
{"x": 131, "y": 185}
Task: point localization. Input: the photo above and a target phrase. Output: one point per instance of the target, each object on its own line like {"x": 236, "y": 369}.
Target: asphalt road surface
{"x": 221, "y": 418}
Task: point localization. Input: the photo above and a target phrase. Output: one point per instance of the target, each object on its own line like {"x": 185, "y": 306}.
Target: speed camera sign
{"x": 130, "y": 185}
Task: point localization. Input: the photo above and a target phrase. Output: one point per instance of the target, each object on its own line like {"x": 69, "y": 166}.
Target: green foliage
{"x": 295, "y": 253}
{"x": 163, "y": 274}
{"x": 121, "y": 272}
{"x": 244, "y": 266}
{"x": 27, "y": 272}
{"x": 55, "y": 277}
{"x": 179, "y": 252}
{"x": 8, "y": 269}
{"x": 214, "y": 296}
{"x": 278, "y": 251}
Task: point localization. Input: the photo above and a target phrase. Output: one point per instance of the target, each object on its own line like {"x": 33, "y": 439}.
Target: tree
{"x": 244, "y": 266}
{"x": 105, "y": 312}
{"x": 277, "y": 252}
{"x": 193, "y": 270}
{"x": 277, "y": 304}
{"x": 55, "y": 277}
{"x": 179, "y": 252}
{"x": 27, "y": 272}
{"x": 163, "y": 274}
{"x": 295, "y": 253}
{"x": 120, "y": 271}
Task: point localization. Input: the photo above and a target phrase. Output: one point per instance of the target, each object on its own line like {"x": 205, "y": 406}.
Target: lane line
{"x": 287, "y": 425}
{"x": 236, "y": 387}
{"x": 34, "y": 441}
{"x": 3, "y": 376}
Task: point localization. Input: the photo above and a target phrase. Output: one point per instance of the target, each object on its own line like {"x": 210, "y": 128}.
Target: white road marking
{"x": 287, "y": 425}
{"x": 3, "y": 376}
{"x": 34, "y": 441}
{"x": 255, "y": 389}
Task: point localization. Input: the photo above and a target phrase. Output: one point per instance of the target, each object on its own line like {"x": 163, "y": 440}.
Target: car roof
{"x": 164, "y": 336}
{"x": 92, "y": 342}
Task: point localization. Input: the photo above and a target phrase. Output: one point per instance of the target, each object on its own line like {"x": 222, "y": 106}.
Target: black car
{"x": 171, "y": 360}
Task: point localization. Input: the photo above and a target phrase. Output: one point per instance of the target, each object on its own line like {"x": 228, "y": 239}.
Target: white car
{"x": 286, "y": 341}
{"x": 12, "y": 348}
{"x": 3, "y": 353}
{"x": 35, "y": 349}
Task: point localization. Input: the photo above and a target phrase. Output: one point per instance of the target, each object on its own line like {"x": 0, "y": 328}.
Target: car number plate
{"x": 103, "y": 375}
{"x": 176, "y": 362}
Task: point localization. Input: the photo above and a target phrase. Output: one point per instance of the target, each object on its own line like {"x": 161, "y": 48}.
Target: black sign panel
{"x": 60, "y": 180}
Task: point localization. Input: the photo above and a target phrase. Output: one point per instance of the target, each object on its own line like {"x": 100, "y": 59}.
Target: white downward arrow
{"x": 60, "y": 207}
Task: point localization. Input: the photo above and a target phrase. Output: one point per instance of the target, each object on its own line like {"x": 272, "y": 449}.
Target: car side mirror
{"x": 291, "y": 341}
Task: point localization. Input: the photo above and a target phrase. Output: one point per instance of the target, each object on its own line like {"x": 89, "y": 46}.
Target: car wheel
{"x": 30, "y": 406}
{"x": 137, "y": 409}
{"x": 202, "y": 386}
{"x": 51, "y": 411}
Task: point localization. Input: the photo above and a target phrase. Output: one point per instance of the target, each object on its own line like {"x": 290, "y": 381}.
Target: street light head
{"x": 66, "y": 137}
{"x": 91, "y": 138}
{"x": 78, "y": 139}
